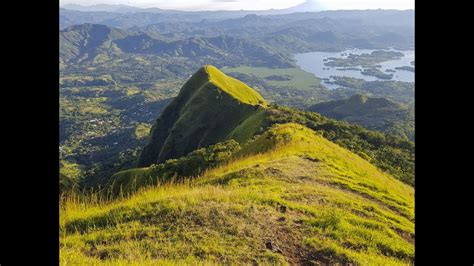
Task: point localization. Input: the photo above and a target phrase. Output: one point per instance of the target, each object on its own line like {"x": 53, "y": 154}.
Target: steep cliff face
{"x": 209, "y": 107}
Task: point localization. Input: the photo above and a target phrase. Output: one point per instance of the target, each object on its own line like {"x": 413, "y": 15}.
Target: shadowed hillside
{"x": 373, "y": 113}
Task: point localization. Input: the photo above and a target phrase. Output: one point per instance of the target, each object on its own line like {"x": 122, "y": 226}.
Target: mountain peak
{"x": 234, "y": 87}
{"x": 209, "y": 108}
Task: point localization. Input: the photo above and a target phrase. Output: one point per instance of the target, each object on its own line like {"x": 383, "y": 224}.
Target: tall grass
{"x": 338, "y": 208}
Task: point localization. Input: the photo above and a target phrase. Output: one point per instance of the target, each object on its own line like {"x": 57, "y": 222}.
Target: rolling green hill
{"x": 208, "y": 108}
{"x": 373, "y": 113}
{"x": 289, "y": 196}
{"x": 81, "y": 42}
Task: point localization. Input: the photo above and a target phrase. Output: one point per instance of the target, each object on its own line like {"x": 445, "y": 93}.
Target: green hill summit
{"x": 208, "y": 108}
{"x": 234, "y": 87}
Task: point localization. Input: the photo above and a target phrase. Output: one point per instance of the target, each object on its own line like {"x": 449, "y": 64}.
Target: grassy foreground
{"x": 288, "y": 197}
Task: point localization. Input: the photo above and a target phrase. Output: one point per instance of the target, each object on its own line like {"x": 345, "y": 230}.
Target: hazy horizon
{"x": 214, "y": 5}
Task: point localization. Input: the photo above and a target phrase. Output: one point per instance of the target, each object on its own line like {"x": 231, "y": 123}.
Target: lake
{"x": 313, "y": 62}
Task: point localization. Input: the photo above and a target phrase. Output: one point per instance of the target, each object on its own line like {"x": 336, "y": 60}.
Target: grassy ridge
{"x": 234, "y": 87}
{"x": 391, "y": 154}
{"x": 186, "y": 123}
{"x": 293, "y": 198}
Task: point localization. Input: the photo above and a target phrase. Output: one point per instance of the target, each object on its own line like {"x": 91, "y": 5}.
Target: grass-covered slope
{"x": 288, "y": 197}
{"x": 208, "y": 108}
{"x": 193, "y": 164}
{"x": 234, "y": 87}
{"x": 390, "y": 153}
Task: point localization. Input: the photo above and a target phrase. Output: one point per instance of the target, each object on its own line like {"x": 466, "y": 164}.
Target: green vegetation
{"x": 103, "y": 128}
{"x": 257, "y": 183}
{"x": 69, "y": 169}
{"x": 95, "y": 45}
{"x": 187, "y": 117}
{"x": 79, "y": 81}
{"x": 373, "y": 113}
{"x": 279, "y": 77}
{"x": 248, "y": 128}
{"x": 285, "y": 86}
{"x": 376, "y": 73}
{"x": 229, "y": 178}
{"x": 112, "y": 80}
{"x": 207, "y": 109}
{"x": 293, "y": 198}
{"x": 142, "y": 130}
{"x": 291, "y": 77}
{"x": 69, "y": 174}
{"x": 397, "y": 91}
{"x": 364, "y": 60}
{"x": 191, "y": 165}
{"x": 234, "y": 87}
{"x": 388, "y": 152}
{"x": 407, "y": 68}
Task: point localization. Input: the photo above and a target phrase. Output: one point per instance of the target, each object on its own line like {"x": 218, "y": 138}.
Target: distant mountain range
{"x": 124, "y": 16}
{"x": 308, "y": 6}
{"x": 88, "y": 42}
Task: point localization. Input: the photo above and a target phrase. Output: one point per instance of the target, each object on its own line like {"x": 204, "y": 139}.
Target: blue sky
{"x": 250, "y": 4}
